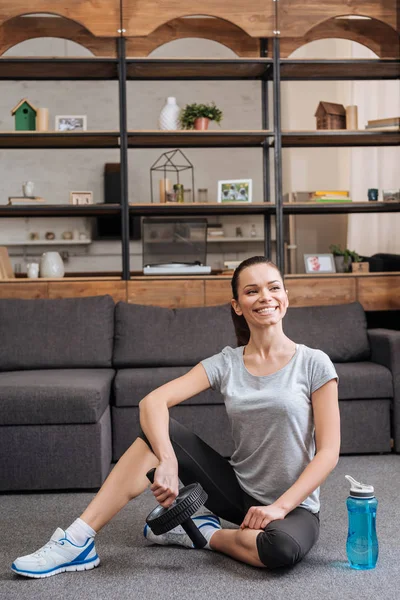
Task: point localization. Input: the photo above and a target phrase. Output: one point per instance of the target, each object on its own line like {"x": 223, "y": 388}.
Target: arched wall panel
{"x": 255, "y": 17}
{"x": 212, "y": 29}
{"x": 376, "y": 36}
{"x": 101, "y": 18}
{"x": 297, "y": 17}
{"x": 20, "y": 29}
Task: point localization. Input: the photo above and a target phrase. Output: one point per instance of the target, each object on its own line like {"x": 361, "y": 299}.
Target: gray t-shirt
{"x": 271, "y": 419}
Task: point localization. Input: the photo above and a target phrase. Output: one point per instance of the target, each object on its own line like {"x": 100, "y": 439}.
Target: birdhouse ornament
{"x": 25, "y": 116}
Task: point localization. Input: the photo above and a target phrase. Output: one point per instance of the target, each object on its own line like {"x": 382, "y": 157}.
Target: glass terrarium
{"x": 174, "y": 244}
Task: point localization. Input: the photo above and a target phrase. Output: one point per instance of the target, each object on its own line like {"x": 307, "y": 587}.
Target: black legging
{"x": 283, "y": 542}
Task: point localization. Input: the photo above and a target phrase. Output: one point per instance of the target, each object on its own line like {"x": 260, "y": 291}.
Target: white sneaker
{"x": 57, "y": 556}
{"x": 178, "y": 535}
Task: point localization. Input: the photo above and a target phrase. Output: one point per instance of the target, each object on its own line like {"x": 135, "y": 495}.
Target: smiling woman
{"x": 282, "y": 403}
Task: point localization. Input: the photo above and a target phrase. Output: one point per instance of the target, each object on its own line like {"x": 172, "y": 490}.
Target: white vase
{"x": 51, "y": 265}
{"x": 27, "y": 188}
{"x": 169, "y": 115}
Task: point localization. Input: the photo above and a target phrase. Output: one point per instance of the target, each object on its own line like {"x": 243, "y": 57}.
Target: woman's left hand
{"x": 258, "y": 517}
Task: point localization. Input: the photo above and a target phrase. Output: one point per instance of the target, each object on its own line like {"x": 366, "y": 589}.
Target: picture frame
{"x": 67, "y": 123}
{"x": 319, "y": 263}
{"x": 235, "y": 190}
{"x": 80, "y": 198}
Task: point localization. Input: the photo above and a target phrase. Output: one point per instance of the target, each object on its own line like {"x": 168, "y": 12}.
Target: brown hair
{"x": 239, "y": 322}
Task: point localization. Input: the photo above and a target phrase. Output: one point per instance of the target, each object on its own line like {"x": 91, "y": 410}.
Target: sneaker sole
{"x": 78, "y": 567}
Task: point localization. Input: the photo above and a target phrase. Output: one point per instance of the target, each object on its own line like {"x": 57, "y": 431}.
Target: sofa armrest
{"x": 385, "y": 350}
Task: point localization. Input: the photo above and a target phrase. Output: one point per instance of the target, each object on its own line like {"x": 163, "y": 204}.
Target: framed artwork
{"x": 319, "y": 263}
{"x": 71, "y": 123}
{"x": 235, "y": 190}
{"x": 81, "y": 198}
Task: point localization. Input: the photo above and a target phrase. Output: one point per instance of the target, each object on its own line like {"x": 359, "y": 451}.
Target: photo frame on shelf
{"x": 235, "y": 190}
{"x": 319, "y": 263}
{"x": 81, "y": 198}
{"x": 71, "y": 123}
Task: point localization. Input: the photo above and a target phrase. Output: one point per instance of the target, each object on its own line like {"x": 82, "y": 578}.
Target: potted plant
{"x": 343, "y": 258}
{"x": 197, "y": 116}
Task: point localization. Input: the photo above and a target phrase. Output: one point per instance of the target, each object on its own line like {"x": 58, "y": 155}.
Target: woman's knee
{"x": 276, "y": 548}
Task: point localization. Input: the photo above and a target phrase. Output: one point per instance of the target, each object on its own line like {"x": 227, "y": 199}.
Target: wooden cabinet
{"x": 374, "y": 292}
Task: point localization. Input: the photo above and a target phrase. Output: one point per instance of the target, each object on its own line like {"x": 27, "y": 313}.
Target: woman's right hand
{"x": 166, "y": 484}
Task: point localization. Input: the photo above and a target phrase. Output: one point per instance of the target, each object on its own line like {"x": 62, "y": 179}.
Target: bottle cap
{"x": 360, "y": 490}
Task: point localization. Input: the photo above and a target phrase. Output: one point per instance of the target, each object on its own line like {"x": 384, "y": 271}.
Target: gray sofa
{"x": 72, "y": 373}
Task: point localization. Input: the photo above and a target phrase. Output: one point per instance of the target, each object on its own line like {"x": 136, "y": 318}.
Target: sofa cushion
{"x": 339, "y": 330}
{"x": 151, "y": 335}
{"x": 54, "y": 396}
{"x": 54, "y": 334}
{"x": 131, "y": 385}
{"x": 364, "y": 380}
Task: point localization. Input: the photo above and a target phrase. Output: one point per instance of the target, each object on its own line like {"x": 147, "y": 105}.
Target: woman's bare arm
{"x": 154, "y": 420}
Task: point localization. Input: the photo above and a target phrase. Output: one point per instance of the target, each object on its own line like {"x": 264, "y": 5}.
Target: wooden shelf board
{"x": 374, "y": 69}
{"x": 47, "y": 243}
{"x": 339, "y": 207}
{"x": 341, "y": 137}
{"x": 197, "y": 139}
{"x": 67, "y": 69}
{"x": 327, "y": 275}
{"x": 58, "y": 139}
{"x": 215, "y": 240}
{"x": 88, "y": 68}
{"x": 198, "y": 68}
{"x": 59, "y": 210}
{"x": 158, "y": 209}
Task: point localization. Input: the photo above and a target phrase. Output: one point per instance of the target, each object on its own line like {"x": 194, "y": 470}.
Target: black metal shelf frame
{"x": 266, "y": 70}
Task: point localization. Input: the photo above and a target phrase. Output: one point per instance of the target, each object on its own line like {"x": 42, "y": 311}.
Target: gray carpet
{"x": 131, "y": 568}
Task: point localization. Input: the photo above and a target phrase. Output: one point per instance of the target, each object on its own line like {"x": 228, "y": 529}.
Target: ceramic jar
{"x": 169, "y": 115}
{"x": 51, "y": 265}
{"x": 27, "y": 188}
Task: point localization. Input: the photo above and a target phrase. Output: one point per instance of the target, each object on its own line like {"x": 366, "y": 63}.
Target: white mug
{"x": 33, "y": 270}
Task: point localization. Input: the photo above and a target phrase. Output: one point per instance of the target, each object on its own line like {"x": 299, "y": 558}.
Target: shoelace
{"x": 46, "y": 547}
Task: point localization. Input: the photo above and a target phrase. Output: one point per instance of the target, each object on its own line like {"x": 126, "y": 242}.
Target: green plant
{"x": 337, "y": 250}
{"x": 191, "y": 112}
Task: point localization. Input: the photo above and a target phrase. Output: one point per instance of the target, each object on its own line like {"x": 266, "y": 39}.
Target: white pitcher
{"x": 51, "y": 265}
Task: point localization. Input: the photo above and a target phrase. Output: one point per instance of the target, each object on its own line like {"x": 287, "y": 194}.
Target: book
{"x": 332, "y": 199}
{"x": 384, "y": 122}
{"x": 383, "y": 127}
{"x": 331, "y": 193}
{"x": 319, "y": 195}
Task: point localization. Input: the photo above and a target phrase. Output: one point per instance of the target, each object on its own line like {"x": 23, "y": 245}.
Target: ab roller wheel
{"x": 190, "y": 499}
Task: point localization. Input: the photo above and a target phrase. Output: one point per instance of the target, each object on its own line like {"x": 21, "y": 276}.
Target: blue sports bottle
{"x": 362, "y": 541}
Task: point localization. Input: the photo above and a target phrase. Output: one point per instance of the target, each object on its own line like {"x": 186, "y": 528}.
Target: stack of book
{"x": 390, "y": 124}
{"x": 318, "y": 196}
{"x": 331, "y": 196}
{"x": 25, "y": 200}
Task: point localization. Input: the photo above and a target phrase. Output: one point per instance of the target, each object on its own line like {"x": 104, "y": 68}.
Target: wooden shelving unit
{"x": 241, "y": 34}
